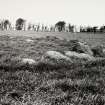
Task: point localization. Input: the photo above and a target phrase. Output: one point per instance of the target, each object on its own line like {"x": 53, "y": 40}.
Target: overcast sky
{"x": 78, "y": 12}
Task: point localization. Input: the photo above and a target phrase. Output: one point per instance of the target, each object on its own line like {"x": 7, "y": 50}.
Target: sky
{"x": 77, "y": 12}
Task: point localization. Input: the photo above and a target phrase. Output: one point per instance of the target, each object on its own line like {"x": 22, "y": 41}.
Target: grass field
{"x": 88, "y": 37}
{"x": 44, "y": 84}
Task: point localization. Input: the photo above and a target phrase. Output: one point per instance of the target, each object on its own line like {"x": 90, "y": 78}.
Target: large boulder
{"x": 54, "y": 57}
{"x": 80, "y": 47}
{"x": 81, "y": 56}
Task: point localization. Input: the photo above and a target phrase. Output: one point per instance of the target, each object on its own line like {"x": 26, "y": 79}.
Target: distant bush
{"x": 60, "y": 26}
{"x": 20, "y": 24}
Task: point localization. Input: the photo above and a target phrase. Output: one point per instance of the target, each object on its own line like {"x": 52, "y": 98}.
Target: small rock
{"x": 29, "y": 40}
{"x": 27, "y": 60}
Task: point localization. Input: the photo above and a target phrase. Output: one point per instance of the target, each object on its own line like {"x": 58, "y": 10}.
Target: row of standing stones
{"x": 78, "y": 51}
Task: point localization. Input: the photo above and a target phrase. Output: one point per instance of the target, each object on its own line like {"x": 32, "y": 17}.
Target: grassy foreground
{"x": 43, "y": 84}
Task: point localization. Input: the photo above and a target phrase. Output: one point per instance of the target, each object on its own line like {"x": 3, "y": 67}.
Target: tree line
{"x": 60, "y": 26}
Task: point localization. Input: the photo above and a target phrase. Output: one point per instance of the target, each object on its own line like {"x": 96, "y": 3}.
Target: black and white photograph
{"x": 52, "y": 52}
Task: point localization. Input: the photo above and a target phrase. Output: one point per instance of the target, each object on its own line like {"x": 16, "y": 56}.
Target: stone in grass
{"x": 28, "y": 61}
{"x": 84, "y": 56}
{"x": 54, "y": 57}
{"x": 80, "y": 47}
{"x": 29, "y": 40}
